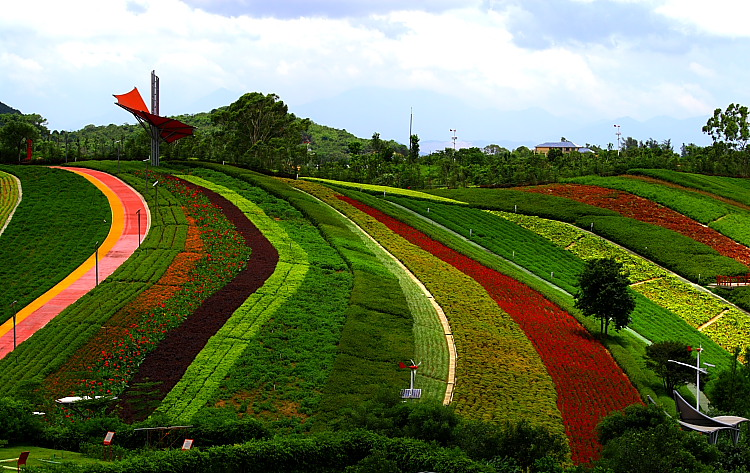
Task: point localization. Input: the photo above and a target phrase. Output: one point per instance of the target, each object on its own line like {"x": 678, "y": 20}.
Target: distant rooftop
{"x": 558, "y": 144}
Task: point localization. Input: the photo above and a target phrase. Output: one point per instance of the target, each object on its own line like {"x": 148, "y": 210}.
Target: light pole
{"x": 138, "y": 214}
{"x": 156, "y": 186}
{"x": 14, "y": 325}
{"x": 96, "y": 261}
{"x": 618, "y": 133}
{"x": 454, "y": 139}
{"x": 698, "y": 372}
{"x": 118, "y": 155}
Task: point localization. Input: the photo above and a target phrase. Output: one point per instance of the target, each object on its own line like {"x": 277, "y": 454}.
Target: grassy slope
{"x": 54, "y": 230}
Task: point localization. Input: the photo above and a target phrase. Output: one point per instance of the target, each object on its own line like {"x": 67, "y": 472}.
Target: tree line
{"x": 259, "y": 132}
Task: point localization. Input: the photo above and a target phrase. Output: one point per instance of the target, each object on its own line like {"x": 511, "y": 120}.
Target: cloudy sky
{"x": 494, "y": 70}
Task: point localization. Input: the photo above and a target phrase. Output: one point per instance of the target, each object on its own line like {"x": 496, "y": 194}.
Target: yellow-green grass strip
{"x": 434, "y": 346}
{"x": 700, "y": 308}
{"x": 203, "y": 377}
{"x": 372, "y": 188}
{"x": 499, "y": 375}
{"x": 11, "y": 194}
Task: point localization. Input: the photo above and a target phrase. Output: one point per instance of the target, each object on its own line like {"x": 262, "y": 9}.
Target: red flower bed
{"x": 168, "y": 362}
{"x": 589, "y": 382}
{"x": 639, "y": 208}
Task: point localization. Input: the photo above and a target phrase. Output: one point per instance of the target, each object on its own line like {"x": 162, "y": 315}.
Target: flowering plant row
{"x": 191, "y": 279}
{"x": 645, "y": 210}
{"x": 499, "y": 375}
{"x": 52, "y": 346}
{"x": 214, "y": 363}
{"x": 504, "y": 238}
{"x": 586, "y": 245}
{"x": 589, "y": 383}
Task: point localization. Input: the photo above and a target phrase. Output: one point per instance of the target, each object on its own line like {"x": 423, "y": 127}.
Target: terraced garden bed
{"x": 55, "y": 202}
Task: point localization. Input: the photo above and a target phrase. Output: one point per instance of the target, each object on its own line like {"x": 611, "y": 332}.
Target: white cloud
{"x": 75, "y": 54}
{"x": 717, "y": 17}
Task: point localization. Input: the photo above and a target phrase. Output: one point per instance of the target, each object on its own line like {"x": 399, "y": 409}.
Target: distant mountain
{"x": 7, "y": 109}
{"x": 434, "y": 115}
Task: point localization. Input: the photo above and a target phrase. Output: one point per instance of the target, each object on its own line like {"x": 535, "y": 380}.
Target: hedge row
{"x": 357, "y": 451}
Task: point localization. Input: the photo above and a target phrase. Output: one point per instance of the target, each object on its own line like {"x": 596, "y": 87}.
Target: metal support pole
{"x": 138, "y": 213}
{"x": 96, "y": 262}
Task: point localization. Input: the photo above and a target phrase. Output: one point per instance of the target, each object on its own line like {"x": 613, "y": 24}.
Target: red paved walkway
{"x": 121, "y": 242}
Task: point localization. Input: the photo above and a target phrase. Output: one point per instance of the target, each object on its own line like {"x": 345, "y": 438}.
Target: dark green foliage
{"x": 657, "y": 358}
{"x": 604, "y": 293}
{"x": 520, "y": 442}
{"x": 321, "y": 453}
{"x": 18, "y": 424}
{"x": 730, "y": 390}
{"x": 659, "y": 449}
{"x": 644, "y": 439}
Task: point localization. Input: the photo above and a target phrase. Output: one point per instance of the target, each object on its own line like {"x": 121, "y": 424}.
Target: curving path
{"x": 121, "y": 242}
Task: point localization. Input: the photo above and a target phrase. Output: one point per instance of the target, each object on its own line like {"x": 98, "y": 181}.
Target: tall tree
{"x": 604, "y": 293}
{"x": 730, "y": 127}
{"x": 259, "y": 128}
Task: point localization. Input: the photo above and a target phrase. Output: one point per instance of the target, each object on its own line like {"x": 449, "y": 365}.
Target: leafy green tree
{"x": 657, "y": 359}
{"x": 730, "y": 127}
{"x": 413, "y": 148}
{"x": 730, "y": 391}
{"x": 604, "y": 293}
{"x": 642, "y": 439}
{"x": 259, "y": 130}
{"x": 14, "y": 131}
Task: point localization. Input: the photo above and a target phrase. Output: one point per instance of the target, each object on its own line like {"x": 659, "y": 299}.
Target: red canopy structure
{"x": 169, "y": 129}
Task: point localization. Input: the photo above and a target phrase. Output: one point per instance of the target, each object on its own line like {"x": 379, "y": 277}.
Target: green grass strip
{"x": 381, "y": 190}
{"x": 204, "y": 376}
{"x": 10, "y": 197}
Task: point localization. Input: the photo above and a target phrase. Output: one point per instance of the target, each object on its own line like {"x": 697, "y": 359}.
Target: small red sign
{"x": 187, "y": 444}
{"x": 108, "y": 438}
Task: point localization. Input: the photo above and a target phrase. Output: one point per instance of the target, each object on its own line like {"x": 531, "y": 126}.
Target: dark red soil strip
{"x": 168, "y": 362}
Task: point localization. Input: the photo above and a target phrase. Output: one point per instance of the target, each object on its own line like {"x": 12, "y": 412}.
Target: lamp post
{"x": 96, "y": 261}
{"x": 118, "y": 155}
{"x": 618, "y": 133}
{"x": 156, "y": 186}
{"x": 138, "y": 214}
{"x": 14, "y": 324}
{"x": 698, "y": 372}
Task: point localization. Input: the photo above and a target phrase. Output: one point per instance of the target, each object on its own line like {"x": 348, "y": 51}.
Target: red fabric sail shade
{"x": 170, "y": 129}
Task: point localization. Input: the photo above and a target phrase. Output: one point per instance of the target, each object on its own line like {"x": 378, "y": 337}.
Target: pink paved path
{"x": 121, "y": 242}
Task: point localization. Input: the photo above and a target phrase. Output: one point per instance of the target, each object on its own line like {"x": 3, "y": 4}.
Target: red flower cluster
{"x": 639, "y": 208}
{"x": 590, "y": 384}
